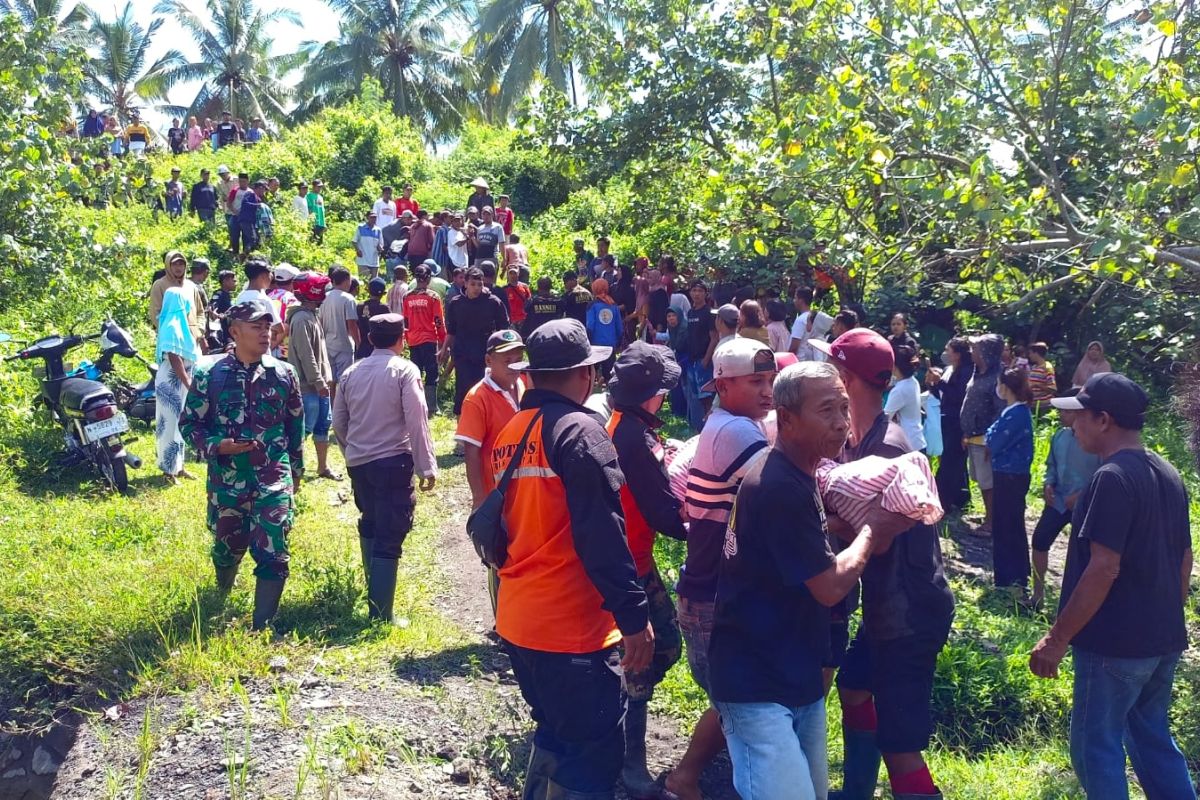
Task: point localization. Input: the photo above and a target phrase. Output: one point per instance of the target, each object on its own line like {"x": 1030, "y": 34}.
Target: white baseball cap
{"x": 222, "y": 170}
{"x": 285, "y": 272}
{"x": 739, "y": 357}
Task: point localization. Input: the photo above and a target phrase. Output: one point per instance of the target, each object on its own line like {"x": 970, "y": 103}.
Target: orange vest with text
{"x": 546, "y": 601}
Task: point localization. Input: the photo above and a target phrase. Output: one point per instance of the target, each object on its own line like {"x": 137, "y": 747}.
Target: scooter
{"x": 85, "y": 409}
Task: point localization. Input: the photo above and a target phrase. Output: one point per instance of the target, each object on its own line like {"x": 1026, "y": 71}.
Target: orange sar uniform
{"x": 486, "y": 410}
{"x": 568, "y": 589}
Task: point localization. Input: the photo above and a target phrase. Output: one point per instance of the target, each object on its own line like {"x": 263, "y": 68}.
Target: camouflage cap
{"x": 251, "y": 310}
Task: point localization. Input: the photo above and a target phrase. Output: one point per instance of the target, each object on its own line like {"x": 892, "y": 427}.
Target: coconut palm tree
{"x": 235, "y": 66}
{"x": 70, "y": 19}
{"x": 119, "y": 74}
{"x": 402, "y": 43}
{"x": 519, "y": 42}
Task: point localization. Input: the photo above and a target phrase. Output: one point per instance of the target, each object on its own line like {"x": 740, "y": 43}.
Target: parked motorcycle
{"x": 136, "y": 400}
{"x": 84, "y": 408}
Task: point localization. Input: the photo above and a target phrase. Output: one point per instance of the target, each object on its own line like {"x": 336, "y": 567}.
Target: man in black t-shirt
{"x": 471, "y": 318}
{"x": 701, "y": 342}
{"x": 1125, "y": 585}
{"x": 541, "y": 308}
{"x": 778, "y": 579}
{"x": 575, "y": 299}
{"x": 885, "y": 682}
{"x": 227, "y": 130}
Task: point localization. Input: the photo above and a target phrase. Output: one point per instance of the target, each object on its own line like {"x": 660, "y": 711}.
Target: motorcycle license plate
{"x": 106, "y": 427}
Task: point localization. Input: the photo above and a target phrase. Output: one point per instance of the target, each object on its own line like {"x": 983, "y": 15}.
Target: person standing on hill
{"x": 1069, "y": 469}
{"x": 227, "y": 131}
{"x": 420, "y": 239}
{"x": 425, "y": 329}
{"x": 203, "y": 201}
{"x": 310, "y": 359}
{"x": 949, "y": 385}
{"x": 339, "y": 319}
{"x": 368, "y": 244}
{"x": 226, "y": 184}
{"x": 406, "y": 202}
{"x": 1125, "y": 588}
{"x": 316, "y": 211}
{"x": 380, "y": 419}
{"x": 981, "y": 406}
{"x": 480, "y": 197}
{"x": 245, "y": 416}
{"x": 569, "y": 593}
{"x": 371, "y": 307}
{"x": 489, "y": 235}
{"x": 176, "y": 137}
{"x": 471, "y": 318}
{"x": 541, "y": 307}
{"x": 809, "y": 324}
{"x": 175, "y": 275}
{"x": 1010, "y": 446}
{"x": 576, "y": 300}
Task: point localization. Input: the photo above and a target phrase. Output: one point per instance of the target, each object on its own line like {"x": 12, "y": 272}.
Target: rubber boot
{"x": 431, "y": 399}
{"x": 226, "y": 577}
{"x": 556, "y": 792}
{"x": 365, "y": 546}
{"x": 634, "y": 775}
{"x": 266, "y": 602}
{"x": 537, "y": 774}
{"x": 381, "y": 588}
{"x": 860, "y": 766}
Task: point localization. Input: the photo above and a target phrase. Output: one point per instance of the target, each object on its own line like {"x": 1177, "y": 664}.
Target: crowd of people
{"x": 805, "y": 493}
{"x": 136, "y": 137}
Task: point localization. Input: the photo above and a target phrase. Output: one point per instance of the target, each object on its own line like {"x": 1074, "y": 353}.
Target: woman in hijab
{"x": 175, "y": 353}
{"x": 677, "y": 340}
{"x": 625, "y": 295}
{"x": 981, "y": 406}
{"x": 1093, "y": 361}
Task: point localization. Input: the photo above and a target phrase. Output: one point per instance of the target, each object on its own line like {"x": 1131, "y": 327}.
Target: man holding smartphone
{"x": 245, "y": 415}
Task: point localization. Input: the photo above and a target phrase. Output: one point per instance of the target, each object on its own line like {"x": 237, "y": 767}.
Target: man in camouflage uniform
{"x": 245, "y": 415}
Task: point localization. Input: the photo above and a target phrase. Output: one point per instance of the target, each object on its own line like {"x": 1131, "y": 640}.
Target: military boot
{"x": 365, "y": 546}
{"x": 381, "y": 588}
{"x": 634, "y": 775}
{"x": 226, "y": 577}
{"x": 266, "y": 602}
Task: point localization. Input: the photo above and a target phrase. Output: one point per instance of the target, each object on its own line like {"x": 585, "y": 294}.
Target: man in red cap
{"x": 308, "y": 355}
{"x": 886, "y": 675}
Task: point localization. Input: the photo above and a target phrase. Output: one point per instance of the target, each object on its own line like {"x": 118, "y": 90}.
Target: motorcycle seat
{"x": 78, "y": 393}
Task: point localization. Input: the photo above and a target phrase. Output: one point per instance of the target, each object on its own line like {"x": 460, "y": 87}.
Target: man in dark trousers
{"x": 1127, "y": 580}
{"x": 642, "y": 377}
{"x": 203, "y": 201}
{"x": 381, "y": 423}
{"x": 568, "y": 589}
{"x": 886, "y": 678}
{"x": 471, "y": 318}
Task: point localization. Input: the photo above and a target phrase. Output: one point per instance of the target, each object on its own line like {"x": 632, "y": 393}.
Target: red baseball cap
{"x": 863, "y": 352}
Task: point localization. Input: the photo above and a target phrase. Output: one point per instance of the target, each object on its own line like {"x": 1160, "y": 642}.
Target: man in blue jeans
{"x": 778, "y": 580}
{"x": 1126, "y": 581}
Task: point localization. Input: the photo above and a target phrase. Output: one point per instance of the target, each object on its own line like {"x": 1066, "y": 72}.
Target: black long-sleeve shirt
{"x": 582, "y": 455}
{"x": 204, "y": 196}
{"x": 636, "y": 440}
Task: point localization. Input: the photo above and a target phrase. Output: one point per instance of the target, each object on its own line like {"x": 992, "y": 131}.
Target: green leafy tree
{"x": 69, "y": 18}
{"x": 236, "y": 68}
{"x": 404, "y": 45}
{"x": 120, "y": 74}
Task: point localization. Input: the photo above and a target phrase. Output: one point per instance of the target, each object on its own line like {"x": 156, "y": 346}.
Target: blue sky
{"x": 317, "y": 23}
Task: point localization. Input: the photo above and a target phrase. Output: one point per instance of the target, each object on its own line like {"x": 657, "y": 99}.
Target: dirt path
{"x": 449, "y": 725}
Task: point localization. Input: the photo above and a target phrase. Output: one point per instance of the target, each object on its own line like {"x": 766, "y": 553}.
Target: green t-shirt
{"x": 316, "y": 207}
{"x": 440, "y": 286}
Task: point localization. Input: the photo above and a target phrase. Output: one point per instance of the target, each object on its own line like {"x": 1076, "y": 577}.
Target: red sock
{"x": 918, "y": 781}
{"x": 861, "y": 717}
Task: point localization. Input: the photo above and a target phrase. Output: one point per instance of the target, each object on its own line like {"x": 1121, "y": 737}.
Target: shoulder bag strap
{"x": 502, "y": 485}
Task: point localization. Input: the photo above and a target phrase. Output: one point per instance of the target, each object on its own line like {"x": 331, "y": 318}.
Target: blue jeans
{"x": 778, "y": 753}
{"x": 317, "y": 417}
{"x": 696, "y": 376}
{"x": 1121, "y": 705}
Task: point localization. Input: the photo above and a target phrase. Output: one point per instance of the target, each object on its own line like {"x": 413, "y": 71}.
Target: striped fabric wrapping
{"x": 904, "y": 485}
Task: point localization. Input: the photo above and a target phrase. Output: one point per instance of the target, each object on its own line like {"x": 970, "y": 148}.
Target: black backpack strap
{"x": 502, "y": 484}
